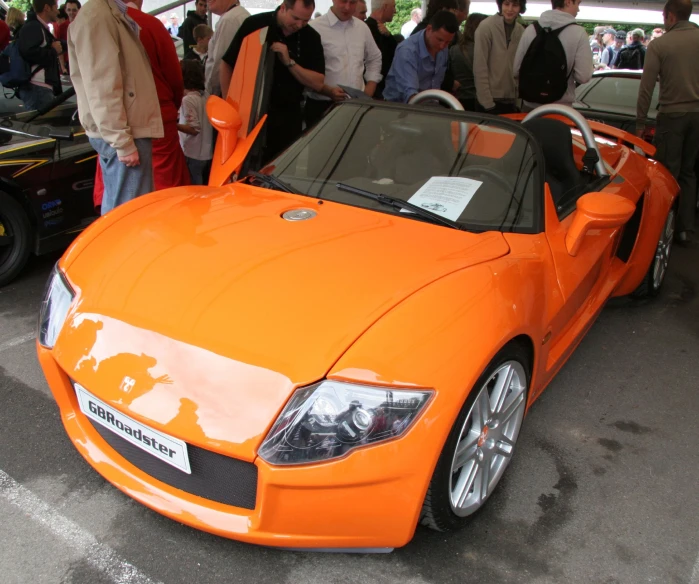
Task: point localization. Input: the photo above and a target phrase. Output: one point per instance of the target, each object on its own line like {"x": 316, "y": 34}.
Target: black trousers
{"x": 283, "y": 126}
{"x": 315, "y": 109}
{"x": 677, "y": 143}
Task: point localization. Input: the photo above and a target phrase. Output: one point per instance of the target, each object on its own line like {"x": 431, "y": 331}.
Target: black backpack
{"x": 630, "y": 58}
{"x": 543, "y": 75}
{"x": 14, "y": 70}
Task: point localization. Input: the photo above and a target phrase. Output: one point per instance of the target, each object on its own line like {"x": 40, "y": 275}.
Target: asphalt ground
{"x": 604, "y": 486}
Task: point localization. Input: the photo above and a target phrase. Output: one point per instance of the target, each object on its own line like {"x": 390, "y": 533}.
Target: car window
{"x": 419, "y": 156}
{"x": 618, "y": 93}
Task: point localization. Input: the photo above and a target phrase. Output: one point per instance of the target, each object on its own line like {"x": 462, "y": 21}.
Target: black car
{"x": 47, "y": 170}
{"x": 610, "y": 97}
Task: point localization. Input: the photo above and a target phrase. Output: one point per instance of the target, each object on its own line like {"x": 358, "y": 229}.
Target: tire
{"x": 655, "y": 277}
{"x": 15, "y": 238}
{"x": 450, "y": 502}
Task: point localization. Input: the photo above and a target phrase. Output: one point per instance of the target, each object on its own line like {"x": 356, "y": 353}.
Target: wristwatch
{"x": 291, "y": 63}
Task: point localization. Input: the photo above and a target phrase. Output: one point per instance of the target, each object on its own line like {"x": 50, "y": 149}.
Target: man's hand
{"x": 131, "y": 159}
{"x": 336, "y": 94}
{"x": 57, "y": 46}
{"x": 282, "y": 52}
{"x": 382, "y": 29}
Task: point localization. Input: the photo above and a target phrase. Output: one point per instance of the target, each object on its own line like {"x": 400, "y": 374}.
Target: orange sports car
{"x": 326, "y": 353}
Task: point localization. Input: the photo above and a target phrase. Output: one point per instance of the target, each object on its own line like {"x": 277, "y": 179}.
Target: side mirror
{"x": 226, "y": 119}
{"x": 231, "y": 148}
{"x": 597, "y": 211}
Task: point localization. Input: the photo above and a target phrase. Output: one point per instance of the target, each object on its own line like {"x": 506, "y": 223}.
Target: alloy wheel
{"x": 488, "y": 437}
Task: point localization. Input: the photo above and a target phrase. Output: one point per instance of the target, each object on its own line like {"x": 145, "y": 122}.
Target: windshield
{"x": 477, "y": 171}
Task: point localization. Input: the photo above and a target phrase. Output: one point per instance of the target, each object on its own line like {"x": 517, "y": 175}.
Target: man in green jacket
{"x": 668, "y": 59}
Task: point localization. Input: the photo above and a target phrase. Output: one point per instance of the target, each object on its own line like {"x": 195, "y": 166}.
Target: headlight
{"x": 329, "y": 419}
{"x": 54, "y": 308}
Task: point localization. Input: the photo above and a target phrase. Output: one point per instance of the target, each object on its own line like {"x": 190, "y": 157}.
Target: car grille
{"x": 214, "y": 476}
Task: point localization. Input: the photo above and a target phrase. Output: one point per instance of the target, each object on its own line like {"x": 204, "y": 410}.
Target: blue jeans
{"x": 35, "y": 96}
{"x": 123, "y": 183}
{"x": 199, "y": 170}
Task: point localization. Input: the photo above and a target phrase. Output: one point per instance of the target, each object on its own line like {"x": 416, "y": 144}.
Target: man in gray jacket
{"x": 574, "y": 41}
{"x": 117, "y": 101}
{"x": 494, "y": 51}
{"x": 669, "y": 58}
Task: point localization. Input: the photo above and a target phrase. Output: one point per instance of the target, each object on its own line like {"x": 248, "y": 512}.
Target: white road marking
{"x": 17, "y": 341}
{"x": 98, "y": 555}
{"x": 694, "y": 578}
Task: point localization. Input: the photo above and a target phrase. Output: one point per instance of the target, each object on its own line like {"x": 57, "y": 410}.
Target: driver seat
{"x": 556, "y": 141}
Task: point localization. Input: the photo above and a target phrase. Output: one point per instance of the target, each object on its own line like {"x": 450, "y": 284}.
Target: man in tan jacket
{"x": 497, "y": 38}
{"x": 670, "y": 58}
{"x": 117, "y": 101}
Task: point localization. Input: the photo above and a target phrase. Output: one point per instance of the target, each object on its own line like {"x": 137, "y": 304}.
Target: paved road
{"x": 604, "y": 487}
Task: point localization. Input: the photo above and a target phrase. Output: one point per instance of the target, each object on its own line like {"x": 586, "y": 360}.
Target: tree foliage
{"x": 22, "y": 5}
{"x": 403, "y": 10}
{"x": 404, "y": 7}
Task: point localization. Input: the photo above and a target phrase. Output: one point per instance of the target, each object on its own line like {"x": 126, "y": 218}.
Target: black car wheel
{"x": 654, "y": 278}
{"x": 15, "y": 238}
{"x": 481, "y": 442}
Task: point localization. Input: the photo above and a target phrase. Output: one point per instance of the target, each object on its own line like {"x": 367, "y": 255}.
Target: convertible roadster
{"x": 331, "y": 351}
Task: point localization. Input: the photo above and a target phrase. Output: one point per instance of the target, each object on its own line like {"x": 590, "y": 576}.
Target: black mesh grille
{"x": 216, "y": 477}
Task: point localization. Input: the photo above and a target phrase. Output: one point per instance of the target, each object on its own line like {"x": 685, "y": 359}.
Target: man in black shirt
{"x": 383, "y": 38}
{"x": 300, "y": 63}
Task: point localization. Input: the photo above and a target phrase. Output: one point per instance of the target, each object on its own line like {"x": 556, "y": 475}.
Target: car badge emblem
{"x": 299, "y": 214}
{"x": 127, "y": 384}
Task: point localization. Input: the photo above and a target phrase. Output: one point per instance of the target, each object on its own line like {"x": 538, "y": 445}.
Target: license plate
{"x": 162, "y": 446}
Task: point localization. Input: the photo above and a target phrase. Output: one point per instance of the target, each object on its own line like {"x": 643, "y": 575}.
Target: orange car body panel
{"x": 195, "y": 294}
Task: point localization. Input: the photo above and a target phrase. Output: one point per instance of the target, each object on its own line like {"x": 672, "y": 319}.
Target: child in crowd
{"x": 196, "y": 133}
{"x": 202, "y": 35}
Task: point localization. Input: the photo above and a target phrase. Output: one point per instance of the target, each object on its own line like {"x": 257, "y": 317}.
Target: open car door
{"x": 239, "y": 119}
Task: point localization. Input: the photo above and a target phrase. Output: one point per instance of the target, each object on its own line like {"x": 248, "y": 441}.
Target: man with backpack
{"x": 633, "y": 55}
{"x": 553, "y": 56}
{"x": 40, "y": 49}
{"x": 610, "y": 53}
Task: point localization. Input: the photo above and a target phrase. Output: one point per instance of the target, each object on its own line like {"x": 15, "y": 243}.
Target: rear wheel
{"x": 15, "y": 238}
{"x": 655, "y": 277}
{"x": 481, "y": 443}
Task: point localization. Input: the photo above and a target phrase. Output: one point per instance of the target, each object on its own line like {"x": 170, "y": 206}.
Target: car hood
{"x": 215, "y": 304}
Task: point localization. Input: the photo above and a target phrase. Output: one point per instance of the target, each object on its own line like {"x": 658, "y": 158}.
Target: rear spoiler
{"x": 604, "y": 130}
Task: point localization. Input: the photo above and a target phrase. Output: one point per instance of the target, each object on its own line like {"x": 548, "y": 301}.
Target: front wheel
{"x": 481, "y": 443}
{"x": 15, "y": 238}
{"x": 654, "y": 278}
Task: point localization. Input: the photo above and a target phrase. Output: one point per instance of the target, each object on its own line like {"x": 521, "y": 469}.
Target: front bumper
{"x": 370, "y": 500}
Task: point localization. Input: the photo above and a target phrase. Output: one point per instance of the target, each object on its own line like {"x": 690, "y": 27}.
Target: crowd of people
{"x": 151, "y": 131}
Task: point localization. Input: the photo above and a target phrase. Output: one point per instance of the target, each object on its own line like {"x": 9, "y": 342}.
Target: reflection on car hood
{"x": 226, "y": 285}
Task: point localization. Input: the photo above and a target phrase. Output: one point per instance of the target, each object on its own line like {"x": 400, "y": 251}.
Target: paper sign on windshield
{"x": 446, "y": 195}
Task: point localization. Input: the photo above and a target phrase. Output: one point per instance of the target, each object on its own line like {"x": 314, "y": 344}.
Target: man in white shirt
{"x": 351, "y": 57}
{"x": 415, "y": 17}
{"x": 232, "y": 16}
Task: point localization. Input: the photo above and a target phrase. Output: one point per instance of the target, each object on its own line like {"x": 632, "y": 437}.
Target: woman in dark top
{"x": 461, "y": 60}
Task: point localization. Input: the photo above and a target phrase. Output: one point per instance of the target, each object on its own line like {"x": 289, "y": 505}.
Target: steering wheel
{"x": 579, "y": 121}
{"x": 486, "y": 171}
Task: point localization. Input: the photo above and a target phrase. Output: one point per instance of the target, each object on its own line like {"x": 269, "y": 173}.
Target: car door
{"x": 583, "y": 283}
{"x": 237, "y": 150}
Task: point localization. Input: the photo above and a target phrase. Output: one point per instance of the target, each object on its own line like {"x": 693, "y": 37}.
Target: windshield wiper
{"x": 275, "y": 182}
{"x": 397, "y": 203}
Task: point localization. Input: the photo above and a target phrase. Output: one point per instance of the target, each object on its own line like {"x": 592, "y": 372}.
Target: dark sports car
{"x": 610, "y": 97}
{"x": 47, "y": 170}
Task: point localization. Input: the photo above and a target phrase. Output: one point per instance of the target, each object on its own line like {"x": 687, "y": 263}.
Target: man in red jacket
{"x": 169, "y": 164}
